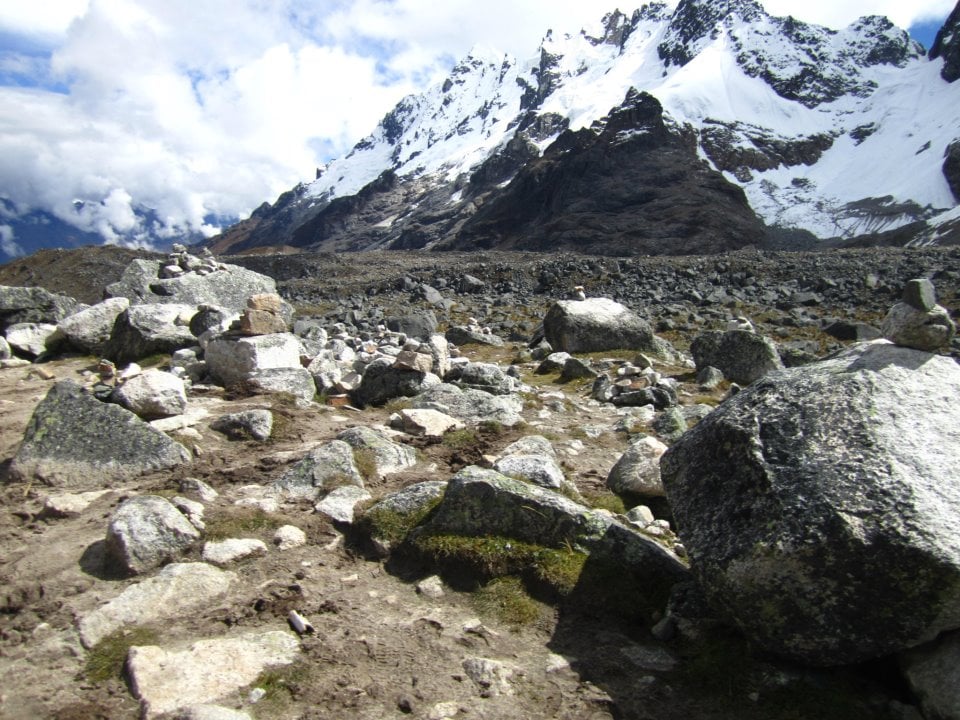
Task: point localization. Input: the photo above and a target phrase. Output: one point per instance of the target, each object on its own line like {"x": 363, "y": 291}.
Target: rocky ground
{"x": 384, "y": 644}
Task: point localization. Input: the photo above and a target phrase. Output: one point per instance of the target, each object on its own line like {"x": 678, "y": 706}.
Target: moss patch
{"x": 106, "y": 659}
{"x": 387, "y": 524}
{"x": 239, "y": 522}
{"x": 507, "y": 600}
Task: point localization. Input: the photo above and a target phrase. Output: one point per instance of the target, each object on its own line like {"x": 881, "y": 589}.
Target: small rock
{"x": 257, "y": 424}
{"x": 340, "y": 504}
{"x": 426, "y": 423}
{"x": 226, "y": 551}
{"x": 288, "y": 537}
{"x": 431, "y": 587}
{"x": 199, "y": 488}
{"x": 491, "y": 676}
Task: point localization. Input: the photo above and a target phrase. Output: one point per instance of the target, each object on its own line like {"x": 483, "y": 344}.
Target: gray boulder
{"x": 819, "y": 506}
{"x": 144, "y": 532}
{"x": 297, "y": 382}
{"x": 382, "y": 382}
{"x": 5, "y": 352}
{"x": 324, "y": 468}
{"x": 595, "y": 324}
{"x": 231, "y": 359}
{"x": 74, "y": 439}
{"x": 483, "y": 376}
{"x": 89, "y": 329}
{"x": 388, "y": 519}
{"x": 152, "y": 394}
{"x": 460, "y": 335}
{"x": 541, "y": 470}
{"x": 385, "y": 455}
{"x": 257, "y": 424}
{"x": 32, "y": 305}
{"x": 144, "y": 330}
{"x": 471, "y": 406}
{"x": 741, "y": 356}
{"x": 228, "y": 287}
{"x": 637, "y": 473}
{"x": 421, "y": 324}
{"x": 531, "y": 458}
{"x": 32, "y": 339}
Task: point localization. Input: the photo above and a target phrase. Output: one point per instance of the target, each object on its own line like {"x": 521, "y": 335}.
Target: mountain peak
{"x": 696, "y": 20}
{"x": 947, "y": 46}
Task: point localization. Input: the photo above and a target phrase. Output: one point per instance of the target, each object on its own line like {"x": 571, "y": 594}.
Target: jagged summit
{"x": 826, "y": 133}
{"x": 947, "y": 46}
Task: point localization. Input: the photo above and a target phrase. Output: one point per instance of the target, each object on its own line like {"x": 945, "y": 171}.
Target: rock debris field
{"x": 488, "y": 485}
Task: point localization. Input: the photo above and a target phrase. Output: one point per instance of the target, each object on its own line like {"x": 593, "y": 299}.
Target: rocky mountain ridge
{"x": 833, "y": 136}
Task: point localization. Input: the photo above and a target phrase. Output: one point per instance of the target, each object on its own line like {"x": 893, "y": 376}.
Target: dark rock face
{"x": 724, "y": 144}
{"x": 74, "y": 439}
{"x": 342, "y": 212}
{"x": 951, "y": 168}
{"x": 635, "y": 187}
{"x": 820, "y": 487}
{"x": 947, "y": 46}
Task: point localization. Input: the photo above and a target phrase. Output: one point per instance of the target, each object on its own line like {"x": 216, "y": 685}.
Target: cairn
{"x": 917, "y": 321}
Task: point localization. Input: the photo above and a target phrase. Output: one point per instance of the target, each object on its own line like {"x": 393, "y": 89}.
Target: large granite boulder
{"x": 89, "y": 330}
{"x": 596, "y": 324}
{"x": 820, "y": 505}
{"x": 74, "y": 439}
{"x": 233, "y": 359}
{"x": 33, "y": 339}
{"x": 741, "y": 356}
{"x": 228, "y": 287}
{"x": 323, "y": 469}
{"x": 32, "y": 305}
{"x": 144, "y": 330}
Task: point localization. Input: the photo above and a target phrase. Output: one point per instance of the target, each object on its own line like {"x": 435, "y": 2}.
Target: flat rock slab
{"x": 74, "y": 439}
{"x": 176, "y": 590}
{"x": 166, "y": 680}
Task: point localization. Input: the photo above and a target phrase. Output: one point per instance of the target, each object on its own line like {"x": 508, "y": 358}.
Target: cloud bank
{"x": 197, "y": 112}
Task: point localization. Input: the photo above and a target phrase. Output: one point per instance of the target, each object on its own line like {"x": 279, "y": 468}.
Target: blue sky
{"x": 207, "y": 109}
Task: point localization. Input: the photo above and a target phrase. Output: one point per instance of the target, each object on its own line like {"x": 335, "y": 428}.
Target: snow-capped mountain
{"x": 704, "y": 127}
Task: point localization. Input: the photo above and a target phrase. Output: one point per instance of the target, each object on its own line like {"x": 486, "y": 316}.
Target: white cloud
{"x": 8, "y": 245}
{"x": 210, "y": 108}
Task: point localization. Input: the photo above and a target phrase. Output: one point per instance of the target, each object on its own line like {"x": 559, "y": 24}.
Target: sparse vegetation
{"x": 459, "y": 439}
{"x": 366, "y": 461}
{"x": 106, "y": 659}
{"x": 605, "y": 500}
{"x": 388, "y": 524}
{"x": 240, "y": 521}
{"x": 507, "y": 600}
